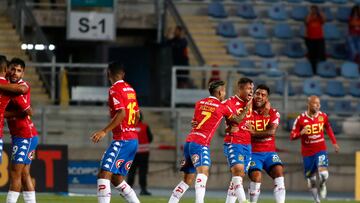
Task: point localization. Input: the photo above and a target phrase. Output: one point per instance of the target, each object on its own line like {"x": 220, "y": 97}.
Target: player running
{"x": 23, "y": 134}
{"x": 117, "y": 159}
{"x": 309, "y": 126}
{"x": 207, "y": 116}
{"x": 237, "y": 144}
{"x": 263, "y": 128}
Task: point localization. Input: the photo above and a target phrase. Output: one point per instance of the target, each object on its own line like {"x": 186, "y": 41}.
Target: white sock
{"x": 127, "y": 192}
{"x": 254, "y": 191}
{"x": 178, "y": 192}
{"x": 103, "y": 191}
{"x": 279, "y": 190}
{"x": 324, "y": 175}
{"x": 12, "y": 197}
{"x": 239, "y": 189}
{"x": 29, "y": 196}
{"x": 313, "y": 189}
{"x": 200, "y": 187}
{"x": 231, "y": 196}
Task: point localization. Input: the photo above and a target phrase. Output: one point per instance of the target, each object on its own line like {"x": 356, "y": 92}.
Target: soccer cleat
{"x": 145, "y": 192}
{"x": 323, "y": 191}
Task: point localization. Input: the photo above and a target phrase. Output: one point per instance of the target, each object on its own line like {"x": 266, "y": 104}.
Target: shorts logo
{"x": 195, "y": 158}
{"x": 182, "y": 163}
{"x": 276, "y": 158}
{"x": 128, "y": 165}
{"x": 14, "y": 150}
{"x": 241, "y": 158}
{"x": 119, "y": 162}
{"x": 31, "y": 155}
{"x": 252, "y": 163}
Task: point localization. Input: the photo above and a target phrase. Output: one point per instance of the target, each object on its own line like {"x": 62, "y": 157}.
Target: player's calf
{"x": 279, "y": 190}
{"x": 254, "y": 191}
{"x": 323, "y": 176}
{"x": 311, "y": 182}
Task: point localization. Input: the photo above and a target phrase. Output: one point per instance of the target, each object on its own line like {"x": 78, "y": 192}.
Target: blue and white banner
{"x": 83, "y": 172}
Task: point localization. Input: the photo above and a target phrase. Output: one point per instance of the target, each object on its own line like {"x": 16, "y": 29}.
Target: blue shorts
{"x": 264, "y": 160}
{"x": 312, "y": 163}
{"x": 238, "y": 154}
{"x": 195, "y": 155}
{"x": 118, "y": 158}
{"x": 1, "y": 149}
{"x": 23, "y": 149}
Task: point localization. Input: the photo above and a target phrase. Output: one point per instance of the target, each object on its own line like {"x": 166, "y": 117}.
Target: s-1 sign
{"x": 91, "y": 26}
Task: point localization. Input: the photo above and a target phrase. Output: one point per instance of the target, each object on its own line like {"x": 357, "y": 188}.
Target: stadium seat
{"x": 358, "y": 108}
{"x": 226, "y": 29}
{"x": 335, "y": 88}
{"x": 277, "y": 12}
{"x": 331, "y": 32}
{"x": 271, "y": 67}
{"x": 248, "y": 68}
{"x": 263, "y": 49}
{"x": 336, "y": 127}
{"x": 299, "y": 13}
{"x": 257, "y": 30}
{"x": 280, "y": 88}
{"x": 326, "y": 69}
{"x": 354, "y": 89}
{"x": 294, "y": 1}
{"x": 343, "y": 108}
{"x": 294, "y": 50}
{"x": 343, "y": 14}
{"x": 240, "y": 0}
{"x": 283, "y": 31}
{"x": 301, "y": 32}
{"x": 350, "y": 70}
{"x": 338, "y": 51}
{"x": 312, "y": 87}
{"x": 246, "y": 11}
{"x": 316, "y": 1}
{"x": 217, "y": 10}
{"x": 328, "y": 14}
{"x": 236, "y": 48}
{"x": 339, "y": 1}
{"x": 324, "y": 105}
{"x": 303, "y": 69}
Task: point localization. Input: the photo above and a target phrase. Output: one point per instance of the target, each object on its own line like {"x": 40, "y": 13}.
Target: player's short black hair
{"x": 263, "y": 87}
{"x": 17, "y": 62}
{"x": 116, "y": 67}
{"x": 214, "y": 85}
{"x": 3, "y": 63}
{"x": 244, "y": 81}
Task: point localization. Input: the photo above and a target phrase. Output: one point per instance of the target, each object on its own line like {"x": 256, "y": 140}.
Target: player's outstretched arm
{"x": 238, "y": 118}
{"x": 11, "y": 114}
{"x": 14, "y": 88}
{"x": 115, "y": 121}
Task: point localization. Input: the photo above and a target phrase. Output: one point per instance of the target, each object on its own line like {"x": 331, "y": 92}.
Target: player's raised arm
{"x": 115, "y": 121}
{"x": 239, "y": 117}
{"x": 296, "y": 131}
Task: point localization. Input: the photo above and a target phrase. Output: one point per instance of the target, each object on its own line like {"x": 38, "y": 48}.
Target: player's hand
{"x": 194, "y": 124}
{"x": 97, "y": 136}
{"x": 250, "y": 128}
{"x": 336, "y": 147}
{"x": 234, "y": 129}
{"x": 304, "y": 130}
{"x": 266, "y": 109}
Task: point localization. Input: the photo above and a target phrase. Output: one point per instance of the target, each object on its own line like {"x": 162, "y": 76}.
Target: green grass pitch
{"x": 86, "y": 199}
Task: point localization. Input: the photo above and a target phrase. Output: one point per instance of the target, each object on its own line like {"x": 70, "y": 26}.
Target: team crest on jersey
{"x": 128, "y": 165}
{"x": 119, "y": 162}
{"x": 321, "y": 118}
{"x": 241, "y": 158}
{"x": 195, "y": 158}
{"x": 31, "y": 155}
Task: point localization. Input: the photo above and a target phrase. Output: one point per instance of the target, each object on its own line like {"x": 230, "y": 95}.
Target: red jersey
{"x": 313, "y": 140}
{"x": 21, "y": 126}
{"x": 314, "y": 28}
{"x": 243, "y": 136}
{"x": 354, "y": 26}
{"x": 208, "y": 114}
{"x": 4, "y": 100}
{"x": 260, "y": 123}
{"x": 123, "y": 96}
{"x": 144, "y": 141}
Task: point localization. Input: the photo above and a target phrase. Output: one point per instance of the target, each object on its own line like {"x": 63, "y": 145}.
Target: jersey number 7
{"x": 207, "y": 116}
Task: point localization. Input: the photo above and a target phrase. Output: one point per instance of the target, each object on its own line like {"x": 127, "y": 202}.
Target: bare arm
{"x": 14, "y": 88}
{"x": 10, "y": 114}
{"x": 238, "y": 118}
{"x": 263, "y": 134}
{"x": 115, "y": 121}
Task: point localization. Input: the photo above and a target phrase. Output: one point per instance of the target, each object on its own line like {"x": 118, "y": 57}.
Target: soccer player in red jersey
{"x": 207, "y": 116}
{"x": 309, "y": 126}
{"x": 237, "y": 145}
{"x": 117, "y": 159}
{"x": 23, "y": 134}
{"x": 263, "y": 128}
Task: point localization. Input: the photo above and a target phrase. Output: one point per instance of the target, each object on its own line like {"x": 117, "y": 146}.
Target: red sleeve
{"x": 21, "y": 102}
{"x": 329, "y": 130}
{"x": 116, "y": 100}
{"x": 226, "y": 111}
{"x": 275, "y": 117}
{"x": 295, "y": 132}
{"x": 27, "y": 87}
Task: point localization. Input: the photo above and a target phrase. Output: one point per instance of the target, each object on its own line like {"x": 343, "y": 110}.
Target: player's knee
{"x": 311, "y": 181}
{"x": 255, "y": 176}
{"x": 238, "y": 170}
{"x": 189, "y": 178}
{"x": 104, "y": 175}
{"x": 276, "y": 171}
{"x": 324, "y": 175}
